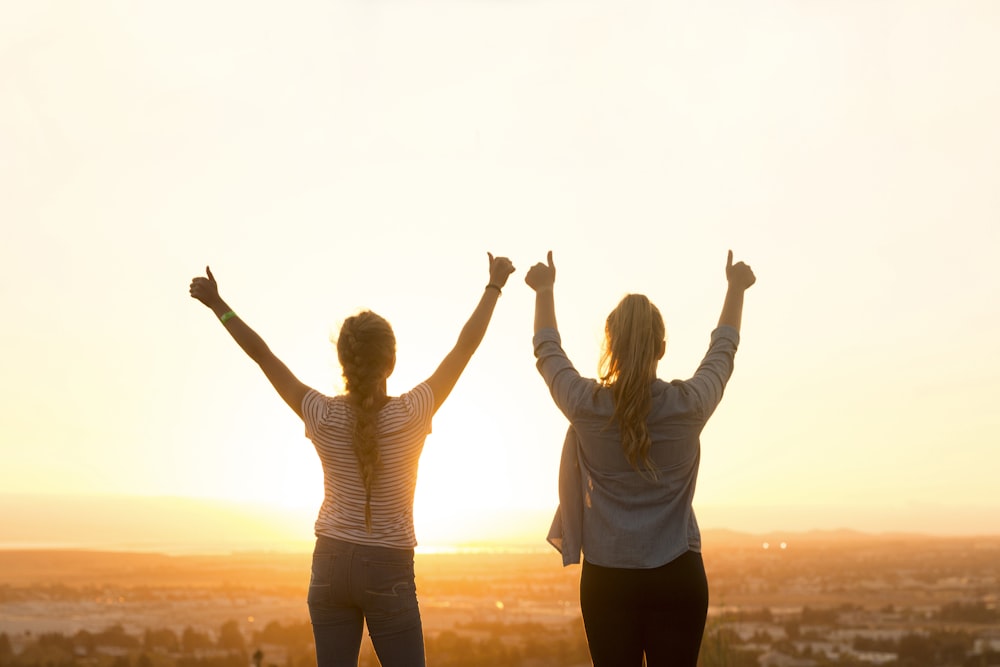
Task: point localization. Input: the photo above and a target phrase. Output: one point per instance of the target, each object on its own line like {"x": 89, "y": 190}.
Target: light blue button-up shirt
{"x": 616, "y": 515}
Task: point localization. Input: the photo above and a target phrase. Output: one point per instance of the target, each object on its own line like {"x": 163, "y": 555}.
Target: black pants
{"x": 659, "y": 612}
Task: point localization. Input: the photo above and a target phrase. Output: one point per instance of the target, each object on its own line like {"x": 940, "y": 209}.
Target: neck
{"x": 379, "y": 397}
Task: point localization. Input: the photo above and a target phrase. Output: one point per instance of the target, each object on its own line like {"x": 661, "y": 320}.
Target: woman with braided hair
{"x": 628, "y": 472}
{"x": 369, "y": 445}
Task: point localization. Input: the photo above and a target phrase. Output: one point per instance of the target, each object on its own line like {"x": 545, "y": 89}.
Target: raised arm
{"x": 542, "y": 278}
{"x": 291, "y": 390}
{"x": 740, "y": 278}
{"x": 450, "y": 369}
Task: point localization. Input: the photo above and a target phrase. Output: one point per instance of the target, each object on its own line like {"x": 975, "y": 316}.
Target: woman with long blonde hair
{"x": 628, "y": 473}
{"x": 369, "y": 444}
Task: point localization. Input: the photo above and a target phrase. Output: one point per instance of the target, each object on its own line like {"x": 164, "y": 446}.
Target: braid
{"x": 366, "y": 445}
{"x": 633, "y": 331}
{"x": 367, "y": 352}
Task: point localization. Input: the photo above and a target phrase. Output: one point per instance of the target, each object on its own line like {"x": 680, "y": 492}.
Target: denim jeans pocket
{"x": 321, "y": 578}
{"x": 389, "y": 586}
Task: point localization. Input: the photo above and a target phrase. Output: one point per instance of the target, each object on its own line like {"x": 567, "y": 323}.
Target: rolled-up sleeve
{"x": 313, "y": 411}
{"x": 709, "y": 381}
{"x": 568, "y": 389}
{"x": 419, "y": 404}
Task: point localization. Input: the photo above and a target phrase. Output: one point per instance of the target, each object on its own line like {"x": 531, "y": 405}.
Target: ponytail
{"x": 633, "y": 333}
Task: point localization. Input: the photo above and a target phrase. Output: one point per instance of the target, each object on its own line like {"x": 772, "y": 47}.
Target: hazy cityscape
{"x": 796, "y": 600}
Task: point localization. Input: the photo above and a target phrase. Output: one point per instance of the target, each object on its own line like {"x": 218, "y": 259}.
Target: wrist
{"x": 493, "y": 286}
{"x": 219, "y": 308}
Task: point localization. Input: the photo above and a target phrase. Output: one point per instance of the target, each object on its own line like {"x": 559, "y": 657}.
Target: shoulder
{"x": 410, "y": 412}
{"x": 318, "y": 407}
{"x": 416, "y": 404}
{"x": 313, "y": 402}
{"x": 417, "y": 401}
{"x": 673, "y": 398}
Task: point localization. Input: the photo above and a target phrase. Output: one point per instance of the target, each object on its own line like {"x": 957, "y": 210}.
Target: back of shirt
{"x": 403, "y": 424}
{"x": 630, "y": 518}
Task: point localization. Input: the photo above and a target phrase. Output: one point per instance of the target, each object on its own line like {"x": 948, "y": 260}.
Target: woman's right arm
{"x": 542, "y": 278}
{"x": 291, "y": 390}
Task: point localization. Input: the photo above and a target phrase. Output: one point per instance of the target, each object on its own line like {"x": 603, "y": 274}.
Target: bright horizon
{"x": 330, "y": 157}
{"x": 175, "y": 525}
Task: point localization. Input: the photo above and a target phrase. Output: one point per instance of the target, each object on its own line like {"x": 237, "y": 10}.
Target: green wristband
{"x": 225, "y": 317}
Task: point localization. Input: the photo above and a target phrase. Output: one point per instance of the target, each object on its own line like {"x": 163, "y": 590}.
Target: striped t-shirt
{"x": 403, "y": 424}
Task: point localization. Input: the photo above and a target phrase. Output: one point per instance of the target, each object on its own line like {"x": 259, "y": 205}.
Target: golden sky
{"x": 325, "y": 157}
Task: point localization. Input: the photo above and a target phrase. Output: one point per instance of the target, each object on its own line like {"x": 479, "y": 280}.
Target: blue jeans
{"x": 353, "y": 584}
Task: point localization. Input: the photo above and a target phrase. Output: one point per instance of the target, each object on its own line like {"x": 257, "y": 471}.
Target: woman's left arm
{"x": 444, "y": 378}
{"x": 291, "y": 390}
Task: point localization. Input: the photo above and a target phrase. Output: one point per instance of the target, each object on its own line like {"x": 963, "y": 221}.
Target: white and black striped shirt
{"x": 403, "y": 425}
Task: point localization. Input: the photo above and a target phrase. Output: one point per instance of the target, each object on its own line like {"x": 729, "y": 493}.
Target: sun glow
{"x": 348, "y": 155}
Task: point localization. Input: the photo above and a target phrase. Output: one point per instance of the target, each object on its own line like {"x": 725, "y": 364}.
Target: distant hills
{"x": 186, "y": 525}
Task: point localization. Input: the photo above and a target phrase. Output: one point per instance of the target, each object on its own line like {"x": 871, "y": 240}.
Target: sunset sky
{"x": 325, "y": 157}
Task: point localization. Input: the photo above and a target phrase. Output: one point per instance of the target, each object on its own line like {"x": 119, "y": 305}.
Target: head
{"x": 366, "y": 348}
{"x": 634, "y": 343}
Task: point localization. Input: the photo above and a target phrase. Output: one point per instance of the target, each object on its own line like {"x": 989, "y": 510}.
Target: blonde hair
{"x": 366, "y": 348}
{"x": 633, "y": 334}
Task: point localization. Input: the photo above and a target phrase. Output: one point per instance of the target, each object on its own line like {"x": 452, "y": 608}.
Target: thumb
{"x": 729, "y": 260}
{"x": 550, "y": 260}
{"x": 210, "y": 276}
{"x": 490, "y": 255}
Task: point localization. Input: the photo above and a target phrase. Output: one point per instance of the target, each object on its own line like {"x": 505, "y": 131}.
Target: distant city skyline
{"x": 826, "y": 599}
